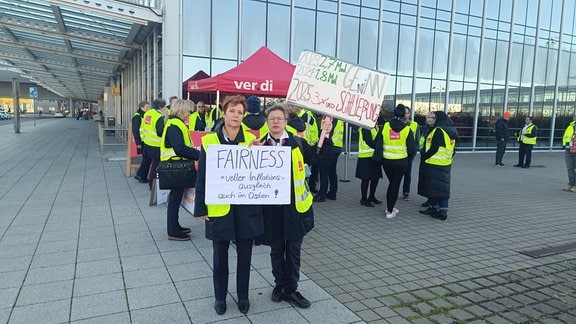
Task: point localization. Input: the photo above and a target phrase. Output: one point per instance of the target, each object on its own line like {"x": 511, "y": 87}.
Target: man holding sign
{"x": 286, "y": 225}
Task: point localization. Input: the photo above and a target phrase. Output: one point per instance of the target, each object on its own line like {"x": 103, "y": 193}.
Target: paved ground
{"x": 79, "y": 243}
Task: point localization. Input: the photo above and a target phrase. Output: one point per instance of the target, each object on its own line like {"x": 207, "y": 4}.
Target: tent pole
{"x": 217, "y": 104}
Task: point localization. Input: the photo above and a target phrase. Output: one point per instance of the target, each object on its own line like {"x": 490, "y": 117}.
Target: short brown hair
{"x": 143, "y": 103}
{"x": 233, "y": 101}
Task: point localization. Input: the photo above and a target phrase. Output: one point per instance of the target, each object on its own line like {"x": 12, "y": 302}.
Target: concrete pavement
{"x": 79, "y": 243}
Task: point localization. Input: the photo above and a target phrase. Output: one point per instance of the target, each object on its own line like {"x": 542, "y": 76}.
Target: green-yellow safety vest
{"x": 444, "y": 155}
{"x": 168, "y": 153}
{"x": 395, "y": 143}
{"x": 148, "y": 128}
{"x": 365, "y": 151}
{"x": 527, "y": 140}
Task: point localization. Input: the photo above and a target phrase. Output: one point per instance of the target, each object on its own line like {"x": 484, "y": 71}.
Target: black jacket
{"x": 501, "y": 130}
{"x": 254, "y": 121}
{"x": 175, "y": 139}
{"x": 284, "y": 221}
{"x": 242, "y": 222}
{"x": 136, "y": 121}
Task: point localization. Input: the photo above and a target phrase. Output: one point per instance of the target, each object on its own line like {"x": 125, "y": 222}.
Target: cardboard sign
{"x": 240, "y": 175}
{"x": 338, "y": 89}
{"x": 188, "y": 200}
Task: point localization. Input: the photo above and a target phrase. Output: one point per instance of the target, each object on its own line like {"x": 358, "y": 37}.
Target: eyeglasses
{"x": 276, "y": 119}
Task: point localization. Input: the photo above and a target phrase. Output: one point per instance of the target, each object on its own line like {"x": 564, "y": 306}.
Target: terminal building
{"x": 473, "y": 59}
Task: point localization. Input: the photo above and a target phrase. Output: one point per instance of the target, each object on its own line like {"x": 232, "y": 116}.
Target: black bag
{"x": 176, "y": 174}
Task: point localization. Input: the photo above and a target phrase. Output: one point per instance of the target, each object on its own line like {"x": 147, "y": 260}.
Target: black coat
{"x": 501, "y": 130}
{"x": 285, "y": 222}
{"x": 242, "y": 222}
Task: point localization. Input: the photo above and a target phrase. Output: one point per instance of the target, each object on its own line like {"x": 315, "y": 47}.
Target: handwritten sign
{"x": 240, "y": 175}
{"x": 338, "y": 89}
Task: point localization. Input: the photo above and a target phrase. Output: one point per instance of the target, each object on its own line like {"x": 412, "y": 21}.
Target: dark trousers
{"x": 174, "y": 200}
{"x": 152, "y": 170}
{"x": 285, "y": 257}
{"x": 500, "y": 150}
{"x": 408, "y": 175}
{"x": 394, "y": 174}
{"x": 220, "y": 272}
{"x": 329, "y": 176}
{"x": 525, "y": 155}
{"x": 313, "y": 180}
{"x": 144, "y": 167}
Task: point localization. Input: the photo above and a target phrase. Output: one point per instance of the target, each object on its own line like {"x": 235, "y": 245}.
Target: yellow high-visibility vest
{"x": 395, "y": 143}
{"x": 168, "y": 153}
{"x": 148, "y": 128}
{"x": 444, "y": 155}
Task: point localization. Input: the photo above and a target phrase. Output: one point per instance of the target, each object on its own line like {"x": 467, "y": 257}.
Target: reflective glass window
{"x": 500, "y": 63}
{"x": 225, "y": 35}
{"x": 327, "y": 5}
{"x": 191, "y": 65}
{"x": 488, "y": 56}
{"x": 368, "y": 43}
{"x": 425, "y": 52}
{"x": 527, "y": 64}
{"x": 304, "y": 23}
{"x": 406, "y": 59}
{"x": 392, "y": 17}
{"x": 492, "y": 8}
{"x": 531, "y": 12}
{"x": 458, "y": 57}
{"x": 350, "y": 10}
{"x": 278, "y": 38}
{"x": 391, "y": 5}
{"x": 369, "y": 13}
{"x": 219, "y": 66}
{"x": 371, "y": 3}
{"x": 196, "y": 38}
{"x": 349, "y": 37}
{"x": 463, "y": 6}
{"x": 408, "y": 9}
{"x": 253, "y": 27}
{"x": 389, "y": 47}
{"x": 440, "y": 54}
{"x": 304, "y": 4}
{"x": 326, "y": 33}
{"x": 476, "y": 8}
{"x": 472, "y": 59}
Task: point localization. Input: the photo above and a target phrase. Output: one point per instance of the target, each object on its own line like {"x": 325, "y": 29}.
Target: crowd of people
{"x": 162, "y": 133}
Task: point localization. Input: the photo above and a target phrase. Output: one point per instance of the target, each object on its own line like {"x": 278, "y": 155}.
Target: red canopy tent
{"x": 206, "y": 97}
{"x": 263, "y": 74}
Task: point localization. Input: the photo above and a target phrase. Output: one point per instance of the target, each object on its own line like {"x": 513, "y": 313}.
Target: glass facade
{"x": 473, "y": 59}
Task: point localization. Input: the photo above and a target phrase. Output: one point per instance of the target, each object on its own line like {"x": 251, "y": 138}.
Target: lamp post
{"x": 440, "y": 88}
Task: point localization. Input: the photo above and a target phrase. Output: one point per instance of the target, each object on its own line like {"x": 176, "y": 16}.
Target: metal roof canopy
{"x": 72, "y": 47}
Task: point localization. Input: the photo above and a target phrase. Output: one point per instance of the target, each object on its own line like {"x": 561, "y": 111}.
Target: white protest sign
{"x": 339, "y": 89}
{"x": 240, "y": 175}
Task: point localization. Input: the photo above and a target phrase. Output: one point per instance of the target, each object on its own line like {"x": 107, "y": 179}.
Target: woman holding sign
{"x": 286, "y": 225}
{"x": 176, "y": 144}
{"x": 225, "y": 222}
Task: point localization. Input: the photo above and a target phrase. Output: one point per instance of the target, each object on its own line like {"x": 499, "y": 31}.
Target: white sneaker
{"x": 392, "y": 214}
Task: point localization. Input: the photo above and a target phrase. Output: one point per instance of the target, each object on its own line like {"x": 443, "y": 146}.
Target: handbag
{"x": 176, "y": 174}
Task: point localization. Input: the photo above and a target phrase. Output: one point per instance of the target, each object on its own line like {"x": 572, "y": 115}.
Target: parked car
{"x": 4, "y": 115}
{"x": 59, "y": 115}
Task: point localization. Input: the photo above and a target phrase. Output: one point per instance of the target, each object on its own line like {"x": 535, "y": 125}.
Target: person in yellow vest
{"x": 328, "y": 168}
{"x": 439, "y": 151}
{"x": 368, "y": 170}
{"x": 569, "y": 145}
{"x": 225, "y": 222}
{"x": 151, "y": 131}
{"x": 176, "y": 144}
{"x": 197, "y": 120}
{"x": 399, "y": 145}
{"x": 415, "y": 128}
{"x": 255, "y": 119}
{"x": 142, "y": 173}
{"x": 286, "y": 225}
{"x": 424, "y": 131}
{"x": 295, "y": 125}
{"x": 527, "y": 139}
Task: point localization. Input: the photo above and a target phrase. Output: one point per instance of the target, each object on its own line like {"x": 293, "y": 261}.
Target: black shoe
{"x": 319, "y": 198}
{"x": 441, "y": 215}
{"x": 313, "y": 190}
{"x": 331, "y": 196}
{"x": 374, "y": 200}
{"x": 277, "y": 294}
{"x": 518, "y": 165}
{"x": 502, "y": 164}
{"x": 220, "y": 307}
{"x": 243, "y": 306}
{"x": 185, "y": 230}
{"x": 140, "y": 179}
{"x": 526, "y": 167}
{"x": 296, "y": 299}
{"x": 179, "y": 237}
{"x": 429, "y": 211}
{"x": 366, "y": 203}
{"x": 425, "y": 204}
